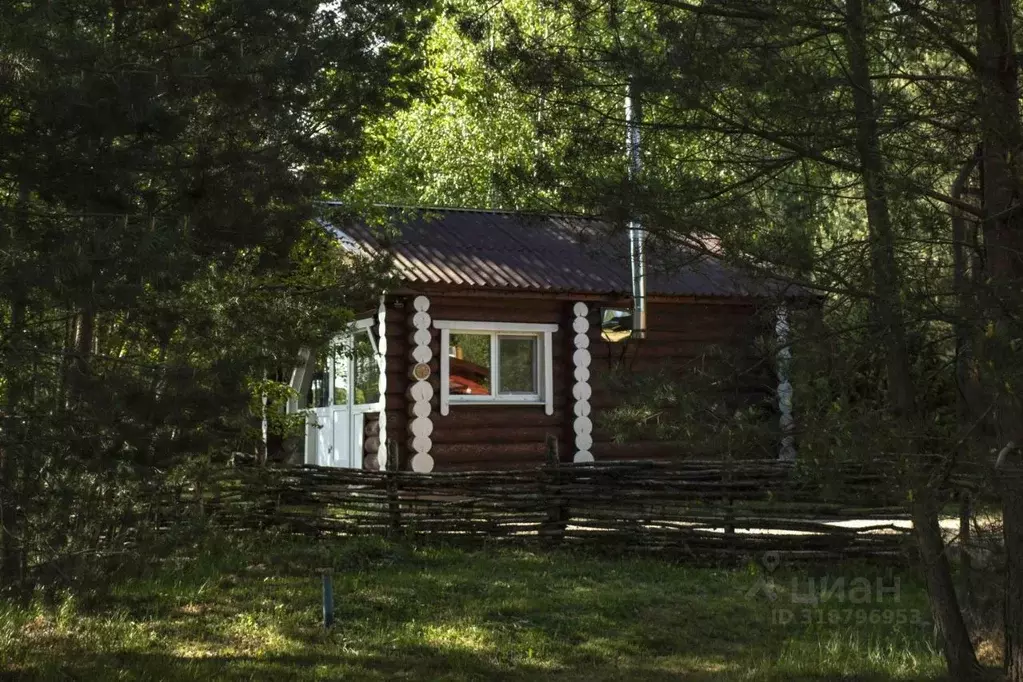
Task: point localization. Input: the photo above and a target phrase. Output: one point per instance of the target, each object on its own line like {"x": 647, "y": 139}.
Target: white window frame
{"x": 347, "y": 340}
{"x": 361, "y": 326}
{"x": 545, "y": 371}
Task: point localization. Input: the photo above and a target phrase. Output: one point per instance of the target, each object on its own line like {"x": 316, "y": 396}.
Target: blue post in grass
{"x": 328, "y": 600}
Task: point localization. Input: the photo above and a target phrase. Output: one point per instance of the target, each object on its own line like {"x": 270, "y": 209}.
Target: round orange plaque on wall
{"x": 421, "y": 371}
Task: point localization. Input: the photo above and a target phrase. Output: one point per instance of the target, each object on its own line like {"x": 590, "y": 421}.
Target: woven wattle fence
{"x": 696, "y": 509}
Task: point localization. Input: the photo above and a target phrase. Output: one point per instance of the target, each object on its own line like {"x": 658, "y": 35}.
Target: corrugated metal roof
{"x": 544, "y": 253}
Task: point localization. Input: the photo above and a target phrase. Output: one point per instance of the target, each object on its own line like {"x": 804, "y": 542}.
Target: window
{"x": 367, "y": 370}
{"x": 347, "y": 374}
{"x": 519, "y": 358}
{"x": 474, "y": 374}
{"x": 496, "y": 363}
{"x": 319, "y": 389}
{"x": 471, "y": 368}
{"x": 341, "y": 375}
{"x": 615, "y": 324}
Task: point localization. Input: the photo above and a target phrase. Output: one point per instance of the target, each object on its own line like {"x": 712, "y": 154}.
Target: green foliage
{"x": 716, "y": 405}
{"x": 463, "y": 140}
{"x": 159, "y": 262}
{"x": 749, "y": 136}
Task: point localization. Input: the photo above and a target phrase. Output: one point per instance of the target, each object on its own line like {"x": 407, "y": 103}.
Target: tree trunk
{"x": 1002, "y": 134}
{"x": 80, "y": 355}
{"x": 958, "y": 650}
{"x": 948, "y": 616}
{"x": 1011, "y": 488}
{"x": 13, "y": 432}
{"x": 13, "y": 555}
{"x": 884, "y": 265}
{"x": 968, "y": 389}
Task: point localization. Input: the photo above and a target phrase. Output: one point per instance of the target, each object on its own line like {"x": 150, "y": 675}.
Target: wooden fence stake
{"x": 553, "y": 458}
{"x": 393, "y": 502}
{"x": 328, "y": 600}
{"x": 557, "y": 514}
{"x": 965, "y": 559}
{"x": 728, "y": 501}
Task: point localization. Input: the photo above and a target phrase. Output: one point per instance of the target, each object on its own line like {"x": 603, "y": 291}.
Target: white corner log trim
{"x": 421, "y": 426}
{"x": 548, "y": 372}
{"x": 445, "y": 368}
{"x": 381, "y": 349}
{"x": 582, "y": 426}
{"x": 787, "y": 447}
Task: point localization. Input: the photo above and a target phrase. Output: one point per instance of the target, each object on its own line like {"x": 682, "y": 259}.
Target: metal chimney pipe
{"x": 637, "y": 235}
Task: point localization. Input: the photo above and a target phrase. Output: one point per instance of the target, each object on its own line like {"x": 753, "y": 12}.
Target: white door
{"x": 347, "y": 438}
{"x": 343, "y": 389}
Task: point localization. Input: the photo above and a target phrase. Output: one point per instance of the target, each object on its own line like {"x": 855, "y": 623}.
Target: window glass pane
{"x": 615, "y": 324}
{"x": 367, "y": 371}
{"x": 319, "y": 395}
{"x": 341, "y": 353}
{"x": 469, "y": 364}
{"x": 518, "y": 359}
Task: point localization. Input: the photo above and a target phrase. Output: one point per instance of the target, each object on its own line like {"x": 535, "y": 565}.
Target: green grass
{"x": 253, "y": 613}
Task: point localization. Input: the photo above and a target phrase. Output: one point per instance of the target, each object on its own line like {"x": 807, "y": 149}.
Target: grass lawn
{"x": 251, "y": 611}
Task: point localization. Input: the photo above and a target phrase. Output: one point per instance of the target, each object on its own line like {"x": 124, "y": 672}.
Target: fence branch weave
{"x": 698, "y": 509}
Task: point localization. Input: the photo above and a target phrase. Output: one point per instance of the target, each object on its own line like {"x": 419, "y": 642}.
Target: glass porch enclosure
{"x": 343, "y": 389}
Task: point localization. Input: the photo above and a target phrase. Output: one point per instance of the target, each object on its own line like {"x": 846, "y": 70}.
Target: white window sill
{"x": 499, "y": 401}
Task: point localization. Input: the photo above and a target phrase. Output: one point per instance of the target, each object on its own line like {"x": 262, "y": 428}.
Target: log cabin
{"x": 501, "y": 329}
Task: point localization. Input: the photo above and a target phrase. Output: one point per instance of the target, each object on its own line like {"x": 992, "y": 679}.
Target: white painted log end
{"x": 581, "y": 408}
{"x": 421, "y": 320}
{"x": 583, "y": 442}
{"x": 422, "y": 354}
{"x": 422, "y": 391}
{"x": 581, "y": 391}
{"x": 581, "y": 358}
{"x": 422, "y": 463}
{"x": 421, "y": 337}
{"x": 421, "y": 427}
{"x": 421, "y": 445}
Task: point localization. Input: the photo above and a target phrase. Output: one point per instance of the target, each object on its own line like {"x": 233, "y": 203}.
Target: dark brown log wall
{"x": 398, "y": 362}
{"x": 370, "y": 440}
{"x": 504, "y": 436}
{"x": 678, "y": 334}
{"x": 512, "y": 436}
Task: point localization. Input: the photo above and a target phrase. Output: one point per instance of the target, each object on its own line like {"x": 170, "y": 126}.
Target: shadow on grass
{"x": 412, "y": 663}
{"x": 448, "y": 614}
